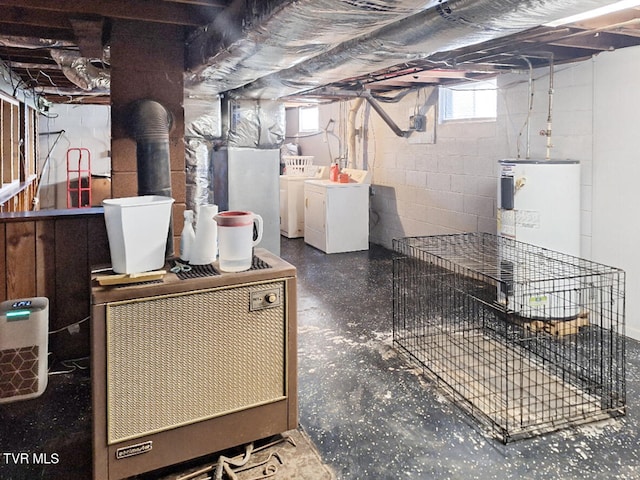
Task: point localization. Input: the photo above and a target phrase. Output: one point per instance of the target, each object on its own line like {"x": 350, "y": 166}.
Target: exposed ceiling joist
{"x": 34, "y": 32}
{"x": 609, "y": 21}
{"x": 53, "y": 33}
{"x": 89, "y": 36}
{"x": 202, "y": 3}
{"x": 24, "y": 17}
{"x": 141, "y": 10}
{"x": 601, "y": 41}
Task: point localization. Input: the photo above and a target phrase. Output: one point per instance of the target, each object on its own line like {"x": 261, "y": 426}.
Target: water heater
{"x": 539, "y": 204}
{"x": 24, "y": 331}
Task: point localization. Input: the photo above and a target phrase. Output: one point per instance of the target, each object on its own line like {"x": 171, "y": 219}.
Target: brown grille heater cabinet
{"x": 186, "y": 368}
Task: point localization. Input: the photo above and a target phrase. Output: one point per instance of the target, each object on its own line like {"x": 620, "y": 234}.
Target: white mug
{"x": 235, "y": 239}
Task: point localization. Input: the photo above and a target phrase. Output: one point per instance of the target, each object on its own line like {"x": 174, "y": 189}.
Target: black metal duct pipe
{"x": 385, "y": 116}
{"x": 149, "y": 123}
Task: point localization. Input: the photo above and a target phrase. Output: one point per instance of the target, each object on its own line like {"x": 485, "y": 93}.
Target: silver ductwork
{"x": 202, "y": 122}
{"x": 82, "y": 71}
{"x": 285, "y": 47}
{"x": 310, "y": 43}
{"x": 211, "y": 122}
{"x": 285, "y": 34}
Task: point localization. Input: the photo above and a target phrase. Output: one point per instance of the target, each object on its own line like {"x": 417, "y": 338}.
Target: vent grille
{"x": 181, "y": 359}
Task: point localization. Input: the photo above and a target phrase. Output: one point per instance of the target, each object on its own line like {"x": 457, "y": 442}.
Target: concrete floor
{"x": 370, "y": 414}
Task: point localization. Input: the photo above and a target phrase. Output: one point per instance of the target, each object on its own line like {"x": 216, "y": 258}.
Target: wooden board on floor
{"x": 512, "y": 390}
{"x": 558, "y": 328}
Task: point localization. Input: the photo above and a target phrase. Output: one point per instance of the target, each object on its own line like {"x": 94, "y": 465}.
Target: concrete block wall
{"x": 418, "y": 187}
{"x": 571, "y": 124}
{"x": 431, "y": 188}
{"x": 325, "y": 145}
{"x": 594, "y": 120}
{"x": 450, "y": 186}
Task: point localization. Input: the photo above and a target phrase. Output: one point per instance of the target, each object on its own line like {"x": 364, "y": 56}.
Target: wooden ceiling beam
{"x": 141, "y": 10}
{"x": 600, "y": 41}
{"x": 68, "y": 92}
{"x": 606, "y": 22}
{"x": 202, "y": 3}
{"x": 89, "y": 36}
{"x": 79, "y": 99}
{"x": 26, "y": 31}
{"x": 48, "y": 78}
{"x": 40, "y": 54}
{"x": 34, "y": 18}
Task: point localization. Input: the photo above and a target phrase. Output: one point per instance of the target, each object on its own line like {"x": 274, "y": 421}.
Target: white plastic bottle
{"x": 187, "y": 237}
{"x": 205, "y": 247}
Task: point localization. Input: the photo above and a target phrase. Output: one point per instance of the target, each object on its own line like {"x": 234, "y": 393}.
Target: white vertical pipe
{"x": 351, "y": 132}
{"x": 548, "y": 132}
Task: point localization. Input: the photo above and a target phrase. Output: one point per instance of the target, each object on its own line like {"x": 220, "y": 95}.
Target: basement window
{"x": 308, "y": 119}
{"x": 469, "y": 101}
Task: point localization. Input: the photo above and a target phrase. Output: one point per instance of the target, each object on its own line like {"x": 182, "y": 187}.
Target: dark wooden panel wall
{"x": 50, "y": 254}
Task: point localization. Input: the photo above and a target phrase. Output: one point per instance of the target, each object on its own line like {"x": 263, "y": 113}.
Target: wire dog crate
{"x": 527, "y": 340}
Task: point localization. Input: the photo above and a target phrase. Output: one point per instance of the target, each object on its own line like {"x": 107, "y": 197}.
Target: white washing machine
{"x": 336, "y": 215}
{"x": 292, "y": 201}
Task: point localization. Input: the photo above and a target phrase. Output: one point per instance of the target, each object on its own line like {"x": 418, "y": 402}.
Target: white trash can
{"x": 137, "y": 228}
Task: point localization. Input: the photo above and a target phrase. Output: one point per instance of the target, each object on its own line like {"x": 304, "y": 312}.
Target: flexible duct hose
{"x": 149, "y": 124}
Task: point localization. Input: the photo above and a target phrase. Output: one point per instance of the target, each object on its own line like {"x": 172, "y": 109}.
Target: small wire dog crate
{"x": 527, "y": 340}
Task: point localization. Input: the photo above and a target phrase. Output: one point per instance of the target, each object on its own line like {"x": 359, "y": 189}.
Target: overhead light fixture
{"x": 596, "y": 12}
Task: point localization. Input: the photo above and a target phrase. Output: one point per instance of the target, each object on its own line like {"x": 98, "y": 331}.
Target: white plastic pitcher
{"x": 235, "y": 239}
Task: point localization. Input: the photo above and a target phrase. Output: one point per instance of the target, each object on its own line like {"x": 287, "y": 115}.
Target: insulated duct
{"x": 283, "y": 34}
{"x": 311, "y": 43}
{"x": 82, "y": 71}
{"x": 202, "y": 120}
{"x": 210, "y": 122}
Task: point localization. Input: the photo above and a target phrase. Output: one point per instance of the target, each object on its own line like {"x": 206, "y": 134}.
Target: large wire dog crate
{"x": 527, "y": 340}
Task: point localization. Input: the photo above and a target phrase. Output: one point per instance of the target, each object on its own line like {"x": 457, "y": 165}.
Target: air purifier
{"x": 24, "y": 331}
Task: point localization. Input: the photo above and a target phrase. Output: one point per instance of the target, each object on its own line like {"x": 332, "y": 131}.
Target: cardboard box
{"x": 100, "y": 190}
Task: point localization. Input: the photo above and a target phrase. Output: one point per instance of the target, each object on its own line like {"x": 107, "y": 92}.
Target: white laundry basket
{"x": 299, "y": 165}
